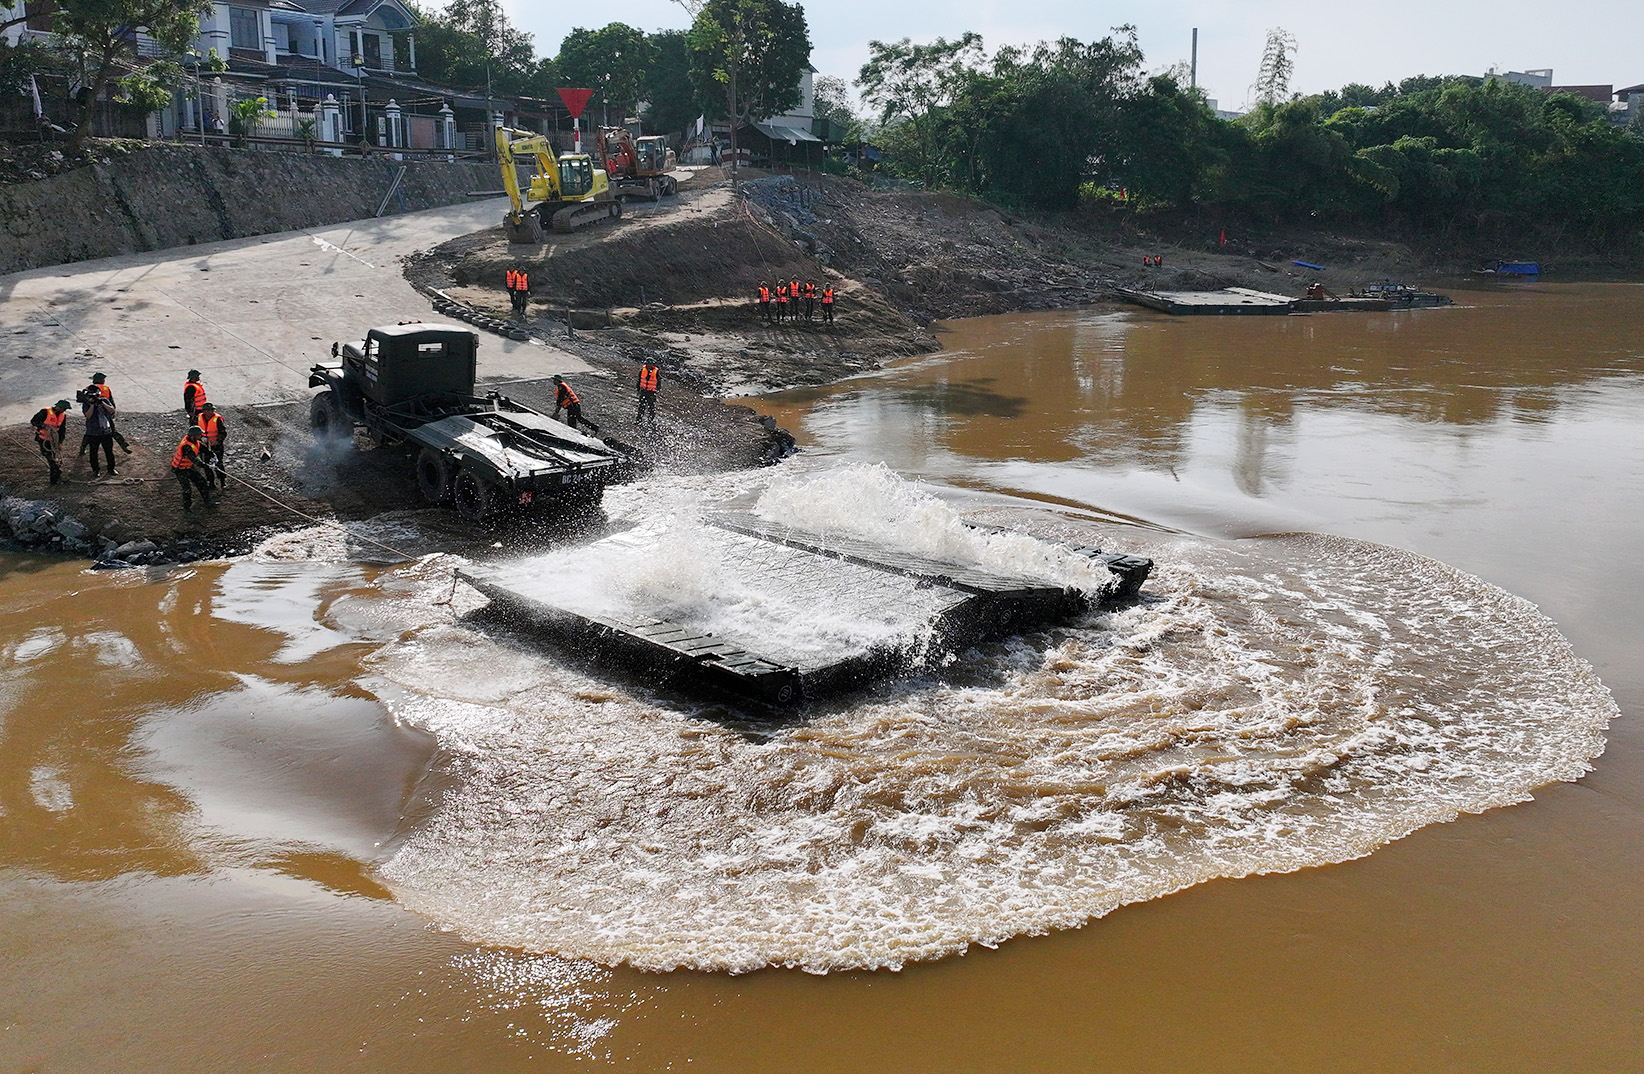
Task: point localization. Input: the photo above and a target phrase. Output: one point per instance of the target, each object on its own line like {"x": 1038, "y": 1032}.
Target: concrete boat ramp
{"x": 829, "y": 612}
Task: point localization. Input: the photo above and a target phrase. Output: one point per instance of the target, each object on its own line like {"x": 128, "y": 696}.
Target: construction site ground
{"x": 678, "y": 281}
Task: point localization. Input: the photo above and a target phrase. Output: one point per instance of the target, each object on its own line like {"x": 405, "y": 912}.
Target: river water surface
{"x": 306, "y": 811}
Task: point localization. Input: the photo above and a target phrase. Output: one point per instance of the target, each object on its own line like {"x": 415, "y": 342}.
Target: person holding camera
{"x": 99, "y": 387}
{"x": 99, "y": 433}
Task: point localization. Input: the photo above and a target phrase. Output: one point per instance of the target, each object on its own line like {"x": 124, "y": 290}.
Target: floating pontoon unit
{"x": 951, "y": 606}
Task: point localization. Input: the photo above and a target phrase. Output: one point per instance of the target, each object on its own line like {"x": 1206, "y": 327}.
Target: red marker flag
{"x": 575, "y": 100}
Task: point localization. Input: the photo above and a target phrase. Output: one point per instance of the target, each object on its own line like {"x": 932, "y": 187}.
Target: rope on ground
{"x": 334, "y": 524}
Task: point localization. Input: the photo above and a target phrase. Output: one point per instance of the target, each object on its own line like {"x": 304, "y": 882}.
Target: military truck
{"x": 412, "y": 385}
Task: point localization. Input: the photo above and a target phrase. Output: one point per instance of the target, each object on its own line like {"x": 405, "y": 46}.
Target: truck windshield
{"x": 576, "y": 176}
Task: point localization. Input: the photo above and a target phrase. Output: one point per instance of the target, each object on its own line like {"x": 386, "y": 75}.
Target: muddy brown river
{"x": 1360, "y": 787}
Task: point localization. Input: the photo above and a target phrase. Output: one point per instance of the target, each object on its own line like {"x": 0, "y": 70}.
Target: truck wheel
{"x": 616, "y": 209}
{"x": 326, "y": 418}
{"x": 434, "y": 476}
{"x": 474, "y": 497}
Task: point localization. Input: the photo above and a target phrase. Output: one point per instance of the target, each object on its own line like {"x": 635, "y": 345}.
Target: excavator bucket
{"x": 526, "y": 227}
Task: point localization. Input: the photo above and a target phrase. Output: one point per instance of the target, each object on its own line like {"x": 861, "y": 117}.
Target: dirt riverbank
{"x": 280, "y": 478}
{"x": 678, "y": 281}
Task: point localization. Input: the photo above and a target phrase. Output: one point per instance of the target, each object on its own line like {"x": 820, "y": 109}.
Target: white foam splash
{"x": 1282, "y": 703}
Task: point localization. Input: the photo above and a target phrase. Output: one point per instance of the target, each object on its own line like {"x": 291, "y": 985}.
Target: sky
{"x": 1593, "y": 43}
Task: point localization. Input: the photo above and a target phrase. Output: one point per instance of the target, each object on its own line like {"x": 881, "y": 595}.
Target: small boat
{"x": 1514, "y": 268}
{"x": 1401, "y": 296}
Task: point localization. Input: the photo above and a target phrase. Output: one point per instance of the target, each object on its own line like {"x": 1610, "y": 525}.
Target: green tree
{"x": 671, "y": 99}
{"x": 612, "y": 61}
{"x": 246, "y": 116}
{"x": 912, "y": 85}
{"x": 832, "y": 96}
{"x": 470, "y": 41}
{"x": 150, "y": 88}
{"x": 753, "y": 53}
{"x": 100, "y": 36}
{"x": 1068, "y": 99}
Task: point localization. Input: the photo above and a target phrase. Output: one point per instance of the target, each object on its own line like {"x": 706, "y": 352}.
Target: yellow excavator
{"x": 565, "y": 193}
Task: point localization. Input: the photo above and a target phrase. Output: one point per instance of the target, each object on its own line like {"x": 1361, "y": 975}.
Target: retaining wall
{"x": 173, "y": 195}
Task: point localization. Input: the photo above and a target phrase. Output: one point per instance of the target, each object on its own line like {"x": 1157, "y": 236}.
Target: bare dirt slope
{"x": 677, "y": 280}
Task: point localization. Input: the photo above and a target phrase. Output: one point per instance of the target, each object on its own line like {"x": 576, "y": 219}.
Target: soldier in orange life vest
{"x": 647, "y": 384}
{"x": 187, "y": 462}
{"x": 827, "y": 305}
{"x": 215, "y": 435}
{"x": 50, "y": 428}
{"x": 781, "y": 302}
{"x": 810, "y": 299}
{"x": 522, "y": 292}
{"x": 194, "y": 395}
{"x": 765, "y": 302}
{"x": 566, "y": 399}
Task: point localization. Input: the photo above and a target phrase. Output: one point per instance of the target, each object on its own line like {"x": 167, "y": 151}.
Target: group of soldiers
{"x": 782, "y": 303}
{"x": 566, "y": 399}
{"x": 197, "y": 464}
{"x": 519, "y": 290}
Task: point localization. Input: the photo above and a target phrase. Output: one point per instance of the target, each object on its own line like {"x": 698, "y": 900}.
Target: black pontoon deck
{"x": 930, "y": 607}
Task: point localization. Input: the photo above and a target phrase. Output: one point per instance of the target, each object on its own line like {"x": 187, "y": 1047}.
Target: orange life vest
{"x": 213, "y": 429}
{"x": 793, "y": 289}
{"x": 183, "y": 457}
{"x": 53, "y": 425}
{"x": 764, "y": 294}
{"x": 513, "y": 280}
{"x": 102, "y": 390}
{"x": 782, "y": 293}
{"x": 647, "y": 378}
{"x": 194, "y": 392}
{"x": 810, "y": 290}
{"x": 522, "y": 281}
{"x": 565, "y": 396}
{"x": 827, "y": 296}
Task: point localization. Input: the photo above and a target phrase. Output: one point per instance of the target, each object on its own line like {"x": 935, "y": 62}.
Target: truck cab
{"x": 397, "y": 363}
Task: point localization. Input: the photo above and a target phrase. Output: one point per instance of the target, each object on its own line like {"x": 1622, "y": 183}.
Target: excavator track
{"x": 572, "y": 217}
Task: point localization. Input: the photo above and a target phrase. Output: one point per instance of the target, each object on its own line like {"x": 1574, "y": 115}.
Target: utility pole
{"x": 490, "y": 114}
{"x": 1193, "y": 76}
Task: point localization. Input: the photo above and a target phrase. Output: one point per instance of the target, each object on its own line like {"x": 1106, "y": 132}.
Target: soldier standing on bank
{"x": 194, "y": 395}
{"x": 215, "y": 435}
{"x": 647, "y": 385}
{"x": 50, "y": 429}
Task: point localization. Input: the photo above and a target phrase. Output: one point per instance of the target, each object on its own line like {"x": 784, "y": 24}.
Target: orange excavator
{"x": 638, "y": 168}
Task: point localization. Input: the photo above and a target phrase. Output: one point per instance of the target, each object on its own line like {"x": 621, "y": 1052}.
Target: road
{"x": 251, "y": 314}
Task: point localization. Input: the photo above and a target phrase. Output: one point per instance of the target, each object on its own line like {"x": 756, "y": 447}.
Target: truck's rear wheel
{"x": 326, "y": 418}
{"x": 474, "y": 498}
{"x": 434, "y": 476}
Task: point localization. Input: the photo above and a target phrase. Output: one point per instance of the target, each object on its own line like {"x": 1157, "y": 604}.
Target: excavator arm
{"x": 549, "y": 194}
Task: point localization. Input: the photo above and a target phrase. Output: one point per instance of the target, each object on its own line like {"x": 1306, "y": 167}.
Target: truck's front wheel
{"x": 474, "y": 497}
{"x": 434, "y": 476}
{"x": 326, "y": 418}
